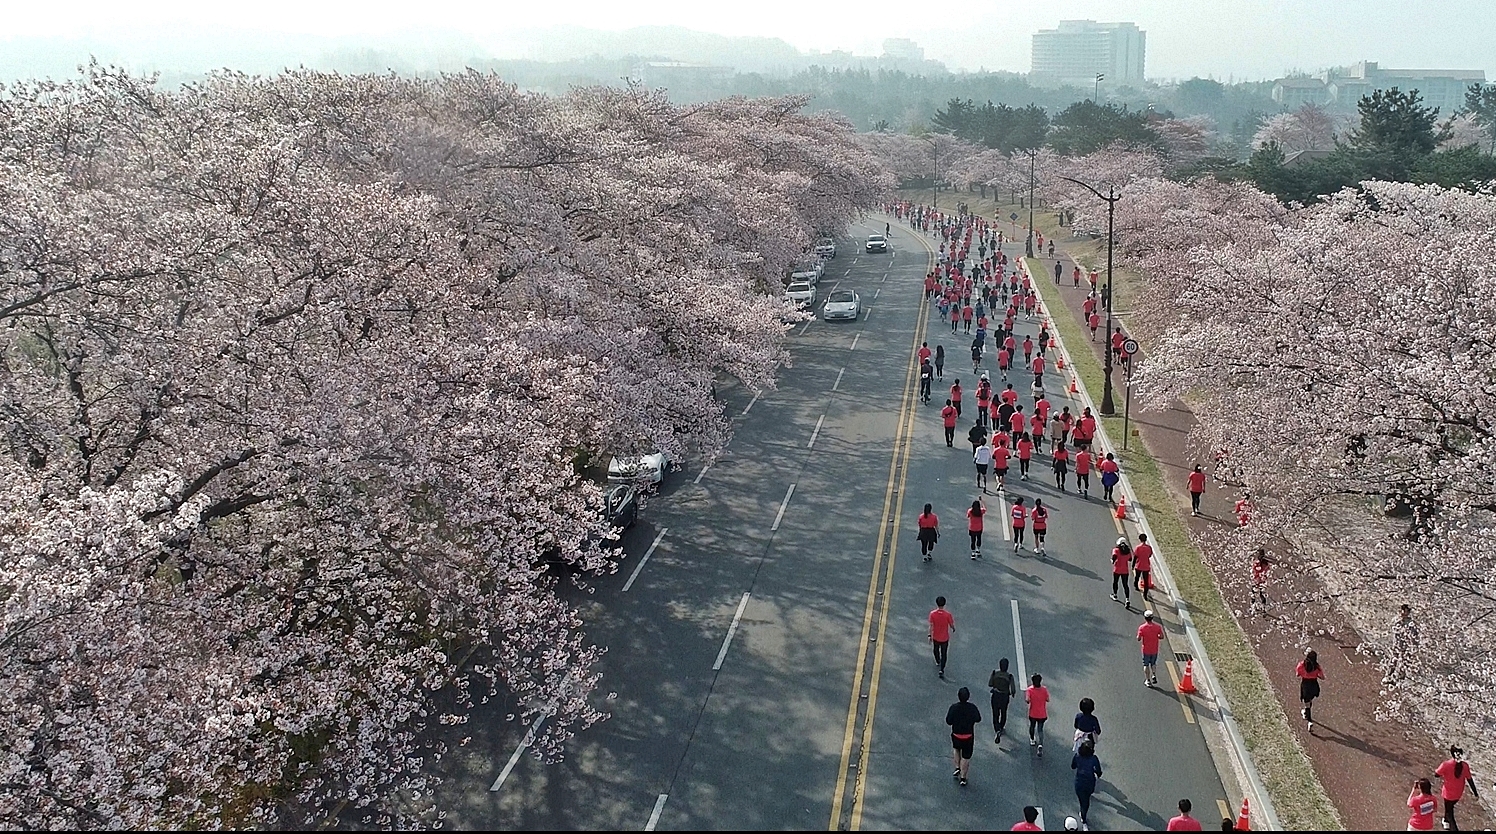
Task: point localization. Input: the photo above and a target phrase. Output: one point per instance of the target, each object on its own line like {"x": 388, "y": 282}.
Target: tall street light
{"x": 1108, "y": 404}
{"x": 1028, "y": 245}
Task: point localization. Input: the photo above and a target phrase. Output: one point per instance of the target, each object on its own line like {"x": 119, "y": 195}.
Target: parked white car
{"x": 826, "y": 248}
{"x": 808, "y": 271}
{"x": 649, "y": 467}
{"x": 801, "y": 293}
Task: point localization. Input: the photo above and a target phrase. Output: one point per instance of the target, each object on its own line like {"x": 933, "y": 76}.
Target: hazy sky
{"x": 1220, "y": 38}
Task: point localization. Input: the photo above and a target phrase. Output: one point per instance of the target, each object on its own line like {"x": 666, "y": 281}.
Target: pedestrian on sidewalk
{"x": 1040, "y": 516}
{"x": 941, "y": 626}
{"x": 1455, "y": 776}
{"x": 1020, "y": 522}
{"x": 929, "y": 532}
{"x": 982, "y": 457}
{"x": 974, "y": 523}
{"x": 1150, "y": 634}
{"x": 948, "y": 416}
{"x": 1025, "y": 454}
{"x": 1260, "y": 568}
{"x": 1110, "y": 475}
{"x": 1121, "y": 567}
{"x": 1197, "y": 489}
{"x": 1058, "y": 269}
{"x": 940, "y": 362}
{"x": 1142, "y": 566}
{"x": 1083, "y": 471}
{"x": 1037, "y": 697}
{"x": 1086, "y": 765}
{"x": 1094, "y": 321}
{"x": 1003, "y": 688}
{"x": 1421, "y": 806}
{"x": 1310, "y": 673}
{"x": 1183, "y": 822}
{"x": 963, "y": 718}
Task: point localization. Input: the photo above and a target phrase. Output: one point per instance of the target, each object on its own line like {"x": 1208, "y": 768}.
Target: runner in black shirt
{"x": 963, "y": 716}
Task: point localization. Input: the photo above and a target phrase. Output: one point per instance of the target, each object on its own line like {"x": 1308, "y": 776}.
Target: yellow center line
{"x": 898, "y": 468}
{"x": 1225, "y": 809}
{"x": 1184, "y": 700}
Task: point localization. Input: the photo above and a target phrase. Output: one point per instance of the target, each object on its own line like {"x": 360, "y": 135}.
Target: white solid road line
{"x": 1018, "y": 645}
{"x": 731, "y": 630}
{"x": 647, "y": 554}
{"x": 654, "y": 816}
{"x": 752, "y": 401}
{"x": 816, "y": 433}
{"x": 1040, "y": 821}
{"x": 699, "y": 475}
{"x": 838, "y": 378}
{"x": 528, "y": 740}
{"x": 854, "y": 340}
{"x": 782, "y": 505}
{"x": 1002, "y": 518}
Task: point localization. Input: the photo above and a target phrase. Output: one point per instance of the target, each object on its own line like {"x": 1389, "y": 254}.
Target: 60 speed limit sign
{"x": 1130, "y": 346}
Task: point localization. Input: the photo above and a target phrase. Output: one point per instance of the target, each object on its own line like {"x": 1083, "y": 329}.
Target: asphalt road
{"x": 743, "y": 643}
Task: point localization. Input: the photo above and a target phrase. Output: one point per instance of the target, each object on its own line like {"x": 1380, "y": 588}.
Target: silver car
{"x": 877, "y": 243}
{"x": 842, "y": 305}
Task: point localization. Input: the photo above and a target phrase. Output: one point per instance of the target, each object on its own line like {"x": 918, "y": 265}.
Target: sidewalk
{"x": 1365, "y": 765}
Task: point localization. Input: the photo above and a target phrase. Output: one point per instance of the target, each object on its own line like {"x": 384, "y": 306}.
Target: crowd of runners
{"x": 1011, "y": 425}
{"x": 1004, "y": 412}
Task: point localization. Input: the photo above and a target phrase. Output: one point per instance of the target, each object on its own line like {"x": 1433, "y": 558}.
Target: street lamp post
{"x": 1108, "y": 402}
{"x": 1028, "y": 245}
{"x": 1096, "y": 96}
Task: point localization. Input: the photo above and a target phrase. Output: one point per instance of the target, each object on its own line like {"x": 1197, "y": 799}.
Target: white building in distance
{"x": 1078, "y": 50}
{"x": 903, "y": 49}
{"x": 1343, "y": 87}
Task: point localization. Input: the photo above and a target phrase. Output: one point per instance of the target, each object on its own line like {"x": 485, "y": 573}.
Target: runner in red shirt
{"x": 1038, "y": 367}
{"x": 1183, "y": 822}
{"x": 1421, "y": 806}
{"x": 1003, "y": 358}
{"x": 1028, "y": 350}
{"x": 1142, "y": 566}
{"x": 1042, "y": 407}
{"x": 1009, "y": 395}
{"x": 1260, "y": 567}
{"x": 1088, "y": 306}
{"x": 956, "y": 393}
{"x": 1149, "y": 634}
{"x": 984, "y": 395}
{"x": 923, "y": 353}
{"x": 1117, "y": 340}
{"x": 941, "y": 626}
{"x": 1020, "y": 523}
{"x": 1040, "y": 515}
{"x": 1000, "y": 455}
{"x": 1083, "y": 472}
{"x": 948, "y": 417}
{"x": 1037, "y": 697}
{"x": 1030, "y": 820}
{"x": 1010, "y": 344}
{"x": 993, "y": 415}
{"x": 1121, "y": 567}
{"x": 1036, "y": 431}
{"x": 929, "y": 532}
{"x": 974, "y": 526}
{"x": 1025, "y": 453}
{"x": 1456, "y": 776}
{"x": 1197, "y": 489}
{"x": 1310, "y": 673}
{"x": 1094, "y": 321}
{"x": 966, "y": 316}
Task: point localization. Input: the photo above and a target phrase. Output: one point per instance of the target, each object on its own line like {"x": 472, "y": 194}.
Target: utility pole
{"x": 1028, "y": 245}
{"x": 1096, "y": 95}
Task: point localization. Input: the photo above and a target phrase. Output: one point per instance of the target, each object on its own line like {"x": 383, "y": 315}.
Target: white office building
{"x": 1078, "y": 50}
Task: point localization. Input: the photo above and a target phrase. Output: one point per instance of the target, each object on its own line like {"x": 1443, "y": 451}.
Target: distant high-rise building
{"x": 1079, "y": 50}
{"x": 903, "y": 49}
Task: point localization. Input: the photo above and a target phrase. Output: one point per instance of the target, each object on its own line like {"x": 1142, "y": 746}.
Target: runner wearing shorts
{"x": 1020, "y": 523}
{"x": 1149, "y": 634}
{"x": 1040, "y": 515}
{"x": 963, "y": 718}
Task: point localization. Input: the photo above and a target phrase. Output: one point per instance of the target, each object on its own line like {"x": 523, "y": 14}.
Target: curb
{"x": 1241, "y": 759}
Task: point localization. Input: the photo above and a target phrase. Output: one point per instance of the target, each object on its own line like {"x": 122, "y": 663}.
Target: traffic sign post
{"x": 1129, "y": 347}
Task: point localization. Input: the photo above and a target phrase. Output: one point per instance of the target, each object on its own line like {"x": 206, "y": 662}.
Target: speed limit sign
{"x": 1130, "y": 346}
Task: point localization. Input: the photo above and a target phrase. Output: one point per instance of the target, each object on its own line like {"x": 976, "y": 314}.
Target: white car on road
{"x": 842, "y": 304}
{"x": 801, "y": 293}
{"x": 809, "y": 272}
{"x": 877, "y": 243}
{"x": 826, "y": 248}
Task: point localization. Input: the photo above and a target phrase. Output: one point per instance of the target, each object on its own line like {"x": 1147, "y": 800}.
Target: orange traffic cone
{"x": 1242, "y": 823}
{"x": 1122, "y": 507}
{"x": 1187, "y": 686}
{"x": 1060, "y": 362}
{"x": 1073, "y": 389}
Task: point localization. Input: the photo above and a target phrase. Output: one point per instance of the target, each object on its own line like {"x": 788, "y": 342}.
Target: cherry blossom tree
{"x": 1308, "y": 128}
{"x": 296, "y": 376}
{"x": 1186, "y": 141}
{"x": 1340, "y": 354}
{"x": 1463, "y": 131}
